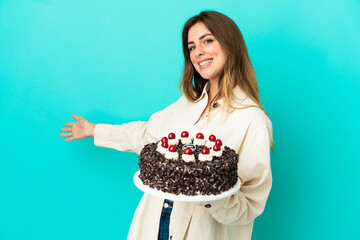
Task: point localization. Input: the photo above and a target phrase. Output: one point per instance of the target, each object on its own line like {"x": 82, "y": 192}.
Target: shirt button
{"x": 166, "y": 205}
{"x": 208, "y": 205}
{"x": 215, "y": 105}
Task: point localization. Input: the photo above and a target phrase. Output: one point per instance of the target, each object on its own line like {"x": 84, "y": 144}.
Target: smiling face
{"x": 206, "y": 53}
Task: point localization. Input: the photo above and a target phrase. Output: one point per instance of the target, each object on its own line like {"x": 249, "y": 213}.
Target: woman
{"x": 223, "y": 101}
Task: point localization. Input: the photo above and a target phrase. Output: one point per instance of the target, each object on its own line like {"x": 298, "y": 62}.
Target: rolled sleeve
{"x": 255, "y": 174}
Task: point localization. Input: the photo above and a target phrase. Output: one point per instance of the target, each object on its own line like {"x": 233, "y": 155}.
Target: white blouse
{"x": 247, "y": 131}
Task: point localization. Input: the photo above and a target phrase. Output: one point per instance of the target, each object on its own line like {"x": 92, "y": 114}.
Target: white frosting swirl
{"x": 209, "y": 144}
{"x": 198, "y": 141}
{"x": 161, "y": 149}
{"x": 171, "y": 155}
{"x": 185, "y": 140}
{"x": 205, "y": 157}
{"x": 216, "y": 153}
{"x": 188, "y": 157}
{"x": 173, "y": 141}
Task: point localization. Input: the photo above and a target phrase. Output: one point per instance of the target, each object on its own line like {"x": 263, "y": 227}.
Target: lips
{"x": 205, "y": 63}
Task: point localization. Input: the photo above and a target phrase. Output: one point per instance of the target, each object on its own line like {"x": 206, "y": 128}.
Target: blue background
{"x": 119, "y": 61}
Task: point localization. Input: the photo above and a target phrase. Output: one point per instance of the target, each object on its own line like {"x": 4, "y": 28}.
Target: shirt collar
{"x": 204, "y": 92}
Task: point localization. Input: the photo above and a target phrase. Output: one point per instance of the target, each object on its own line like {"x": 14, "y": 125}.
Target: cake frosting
{"x": 199, "y": 139}
{"x": 172, "y": 140}
{"x": 205, "y": 155}
{"x": 193, "y": 167}
{"x": 172, "y": 153}
{"x": 188, "y": 156}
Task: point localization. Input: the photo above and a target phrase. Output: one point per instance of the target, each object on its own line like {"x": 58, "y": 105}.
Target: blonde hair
{"x": 238, "y": 69}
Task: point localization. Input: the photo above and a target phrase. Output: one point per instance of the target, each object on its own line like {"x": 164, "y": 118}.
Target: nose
{"x": 199, "y": 51}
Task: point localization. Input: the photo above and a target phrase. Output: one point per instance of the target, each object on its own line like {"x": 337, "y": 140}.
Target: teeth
{"x": 205, "y": 62}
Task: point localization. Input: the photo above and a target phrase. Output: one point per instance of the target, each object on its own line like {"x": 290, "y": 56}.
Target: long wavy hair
{"x": 238, "y": 69}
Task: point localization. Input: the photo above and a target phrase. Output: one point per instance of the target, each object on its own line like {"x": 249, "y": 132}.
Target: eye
{"x": 207, "y": 41}
{"x": 191, "y": 48}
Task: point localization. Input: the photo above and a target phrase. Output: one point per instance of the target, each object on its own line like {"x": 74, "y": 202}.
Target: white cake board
{"x": 181, "y": 197}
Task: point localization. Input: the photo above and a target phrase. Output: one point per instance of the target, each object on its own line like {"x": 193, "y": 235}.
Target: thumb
{"x": 76, "y": 117}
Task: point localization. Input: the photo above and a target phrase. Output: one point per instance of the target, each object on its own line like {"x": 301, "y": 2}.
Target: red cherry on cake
{"x": 216, "y": 148}
{"x": 200, "y": 136}
{"x": 172, "y": 148}
{"x": 187, "y": 151}
{"x": 171, "y": 136}
{"x": 164, "y": 144}
{"x": 205, "y": 150}
{"x": 212, "y": 138}
{"x": 164, "y": 139}
{"x": 184, "y": 134}
{"x": 218, "y": 142}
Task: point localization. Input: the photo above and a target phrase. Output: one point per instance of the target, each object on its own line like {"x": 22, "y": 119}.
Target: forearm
{"x": 255, "y": 173}
{"x": 129, "y": 137}
{"x": 242, "y": 207}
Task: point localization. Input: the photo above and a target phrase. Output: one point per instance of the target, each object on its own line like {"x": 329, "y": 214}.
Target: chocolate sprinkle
{"x": 188, "y": 178}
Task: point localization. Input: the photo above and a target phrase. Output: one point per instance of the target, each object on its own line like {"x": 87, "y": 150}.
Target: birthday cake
{"x": 189, "y": 166}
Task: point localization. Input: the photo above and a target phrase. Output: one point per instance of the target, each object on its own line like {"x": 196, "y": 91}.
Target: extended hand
{"x": 80, "y": 129}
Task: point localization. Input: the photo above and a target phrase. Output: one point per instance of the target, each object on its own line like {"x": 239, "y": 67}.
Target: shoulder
{"x": 245, "y": 105}
{"x": 256, "y": 117}
{"x": 252, "y": 117}
{"x": 251, "y": 113}
{"x": 251, "y": 125}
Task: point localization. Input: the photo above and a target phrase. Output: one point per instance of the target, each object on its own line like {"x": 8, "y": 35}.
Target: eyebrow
{"x": 206, "y": 34}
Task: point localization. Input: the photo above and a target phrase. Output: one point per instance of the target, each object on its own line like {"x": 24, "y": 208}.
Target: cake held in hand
{"x": 189, "y": 166}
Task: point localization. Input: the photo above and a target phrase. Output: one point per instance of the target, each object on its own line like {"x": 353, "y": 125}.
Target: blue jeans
{"x": 165, "y": 220}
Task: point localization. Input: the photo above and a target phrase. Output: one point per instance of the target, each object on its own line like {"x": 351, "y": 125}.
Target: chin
{"x": 205, "y": 75}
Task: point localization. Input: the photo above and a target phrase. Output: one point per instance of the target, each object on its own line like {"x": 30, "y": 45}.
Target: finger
{"x": 69, "y": 124}
{"x": 65, "y": 134}
{"x": 69, "y": 139}
{"x": 65, "y": 129}
{"x": 76, "y": 117}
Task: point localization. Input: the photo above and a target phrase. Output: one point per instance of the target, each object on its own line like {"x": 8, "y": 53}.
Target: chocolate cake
{"x": 189, "y": 166}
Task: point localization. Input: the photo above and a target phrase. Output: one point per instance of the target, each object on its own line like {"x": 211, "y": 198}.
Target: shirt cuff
{"x": 103, "y": 135}
{"x": 213, "y": 206}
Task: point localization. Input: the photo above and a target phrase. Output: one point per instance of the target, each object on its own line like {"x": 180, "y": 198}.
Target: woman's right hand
{"x": 80, "y": 129}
